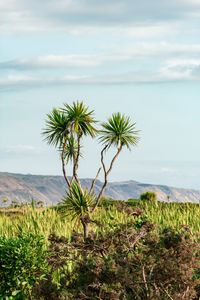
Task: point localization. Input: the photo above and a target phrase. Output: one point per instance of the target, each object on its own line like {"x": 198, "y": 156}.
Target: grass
{"x": 173, "y": 215}
{"x": 117, "y": 242}
{"x": 46, "y": 221}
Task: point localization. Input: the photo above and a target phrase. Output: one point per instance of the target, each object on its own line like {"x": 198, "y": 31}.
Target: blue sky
{"x": 138, "y": 57}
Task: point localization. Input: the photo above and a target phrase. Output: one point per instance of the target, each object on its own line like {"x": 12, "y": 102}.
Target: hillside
{"x": 50, "y": 189}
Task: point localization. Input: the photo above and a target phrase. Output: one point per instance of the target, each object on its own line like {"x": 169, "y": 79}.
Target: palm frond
{"x": 57, "y": 127}
{"x": 78, "y": 201}
{"x": 119, "y": 130}
{"x": 70, "y": 149}
{"x": 80, "y": 118}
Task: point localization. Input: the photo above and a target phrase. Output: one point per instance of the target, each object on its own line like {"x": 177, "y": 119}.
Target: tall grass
{"x": 173, "y": 215}
{"x": 50, "y": 220}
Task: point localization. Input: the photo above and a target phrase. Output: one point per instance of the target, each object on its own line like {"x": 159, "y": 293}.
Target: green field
{"x": 43, "y": 254}
{"x": 52, "y": 220}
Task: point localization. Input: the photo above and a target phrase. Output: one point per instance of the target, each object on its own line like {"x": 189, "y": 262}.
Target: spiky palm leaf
{"x": 71, "y": 149}
{"x": 56, "y": 128}
{"x": 119, "y": 131}
{"x": 77, "y": 201}
{"x": 80, "y": 118}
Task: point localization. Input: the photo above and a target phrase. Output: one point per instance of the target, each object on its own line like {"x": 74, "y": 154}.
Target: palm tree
{"x": 56, "y": 133}
{"x": 78, "y": 203}
{"x": 81, "y": 123}
{"x": 64, "y": 129}
{"x": 119, "y": 132}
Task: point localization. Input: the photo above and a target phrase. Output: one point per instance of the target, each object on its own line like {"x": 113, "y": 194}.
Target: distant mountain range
{"x": 50, "y": 189}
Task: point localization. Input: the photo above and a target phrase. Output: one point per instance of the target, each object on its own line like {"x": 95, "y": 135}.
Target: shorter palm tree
{"x": 119, "y": 132}
{"x": 78, "y": 203}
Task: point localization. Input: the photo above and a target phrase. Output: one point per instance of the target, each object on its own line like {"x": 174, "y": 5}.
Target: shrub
{"x": 148, "y": 196}
{"x": 130, "y": 263}
{"x": 22, "y": 264}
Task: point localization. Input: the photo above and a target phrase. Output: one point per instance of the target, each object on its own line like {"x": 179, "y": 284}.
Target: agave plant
{"x": 78, "y": 203}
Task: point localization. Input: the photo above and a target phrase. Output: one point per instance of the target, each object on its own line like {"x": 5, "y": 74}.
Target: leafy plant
{"x": 148, "y": 196}
{"x": 22, "y": 264}
{"x": 78, "y": 203}
{"x": 65, "y": 129}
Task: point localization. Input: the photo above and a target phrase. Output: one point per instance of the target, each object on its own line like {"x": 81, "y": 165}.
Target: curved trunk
{"x": 63, "y": 163}
{"x": 94, "y": 180}
{"x": 106, "y": 173}
{"x": 76, "y": 160}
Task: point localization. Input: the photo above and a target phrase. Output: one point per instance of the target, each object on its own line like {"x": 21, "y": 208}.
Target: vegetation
{"x": 65, "y": 129}
{"x": 148, "y": 196}
{"x": 128, "y": 243}
{"x": 123, "y": 250}
{"x": 22, "y": 265}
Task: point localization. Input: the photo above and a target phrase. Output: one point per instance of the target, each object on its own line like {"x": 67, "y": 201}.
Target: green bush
{"x": 22, "y": 264}
{"x": 130, "y": 263}
{"x": 148, "y": 196}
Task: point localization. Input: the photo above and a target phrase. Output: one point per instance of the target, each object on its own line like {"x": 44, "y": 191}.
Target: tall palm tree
{"x": 65, "y": 128}
{"x": 119, "y": 132}
{"x": 81, "y": 123}
{"x": 56, "y": 133}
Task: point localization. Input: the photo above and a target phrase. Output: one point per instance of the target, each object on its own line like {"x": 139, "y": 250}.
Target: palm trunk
{"x": 85, "y": 229}
{"x": 63, "y": 163}
{"x": 94, "y": 180}
{"x": 106, "y": 173}
{"x": 76, "y": 160}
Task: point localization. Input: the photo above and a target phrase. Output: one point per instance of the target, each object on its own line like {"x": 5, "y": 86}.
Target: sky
{"x": 141, "y": 58}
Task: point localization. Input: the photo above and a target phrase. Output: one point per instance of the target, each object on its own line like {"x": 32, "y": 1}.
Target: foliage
{"x": 22, "y": 264}
{"x": 65, "y": 129}
{"x": 119, "y": 130}
{"x": 123, "y": 246}
{"x": 80, "y": 119}
{"x": 56, "y": 127}
{"x": 78, "y": 201}
{"x": 148, "y": 196}
{"x": 128, "y": 263}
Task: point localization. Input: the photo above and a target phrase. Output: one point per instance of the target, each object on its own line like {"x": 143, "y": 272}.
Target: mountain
{"x": 50, "y": 189}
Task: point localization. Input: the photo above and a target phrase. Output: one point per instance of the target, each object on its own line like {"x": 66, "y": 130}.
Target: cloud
{"x": 20, "y": 150}
{"x": 142, "y": 77}
{"x": 35, "y": 15}
{"x": 134, "y": 51}
{"x": 53, "y": 61}
{"x": 188, "y": 69}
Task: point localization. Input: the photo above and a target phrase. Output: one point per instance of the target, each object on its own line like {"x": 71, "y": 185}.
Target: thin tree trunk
{"x": 85, "y": 229}
{"x": 106, "y": 173}
{"x": 76, "y": 160}
{"x": 63, "y": 163}
{"x": 94, "y": 180}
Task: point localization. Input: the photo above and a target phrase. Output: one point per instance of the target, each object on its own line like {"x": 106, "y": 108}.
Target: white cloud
{"x": 118, "y": 54}
{"x": 21, "y": 150}
{"x": 182, "y": 69}
{"x": 21, "y": 82}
